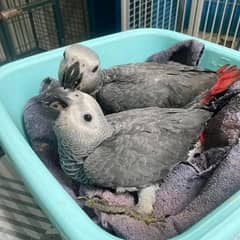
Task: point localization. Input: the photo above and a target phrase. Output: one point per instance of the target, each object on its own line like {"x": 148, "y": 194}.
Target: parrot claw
{"x": 103, "y": 205}
{"x": 206, "y": 173}
{"x": 94, "y": 199}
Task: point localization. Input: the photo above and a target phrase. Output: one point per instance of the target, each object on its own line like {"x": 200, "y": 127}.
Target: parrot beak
{"x": 55, "y": 100}
{"x": 72, "y": 76}
{"x": 47, "y": 84}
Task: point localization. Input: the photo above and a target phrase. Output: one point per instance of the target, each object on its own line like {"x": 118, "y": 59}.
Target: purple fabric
{"x": 187, "y": 52}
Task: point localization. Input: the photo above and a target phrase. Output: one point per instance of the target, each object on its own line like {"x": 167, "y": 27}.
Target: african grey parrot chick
{"x": 79, "y": 68}
{"x": 131, "y": 150}
{"x": 160, "y": 82}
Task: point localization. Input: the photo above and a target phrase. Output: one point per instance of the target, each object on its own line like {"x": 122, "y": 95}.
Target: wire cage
{"x": 214, "y": 20}
{"x": 31, "y": 26}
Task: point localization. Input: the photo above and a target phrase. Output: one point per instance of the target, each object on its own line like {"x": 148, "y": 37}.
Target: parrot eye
{"x": 76, "y": 82}
{"x": 95, "y": 69}
{"x": 58, "y": 105}
{"x": 87, "y": 117}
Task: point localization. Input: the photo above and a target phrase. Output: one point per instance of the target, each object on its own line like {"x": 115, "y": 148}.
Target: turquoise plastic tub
{"x": 20, "y": 80}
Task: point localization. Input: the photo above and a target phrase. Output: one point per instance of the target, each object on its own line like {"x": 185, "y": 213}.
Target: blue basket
{"x": 20, "y": 80}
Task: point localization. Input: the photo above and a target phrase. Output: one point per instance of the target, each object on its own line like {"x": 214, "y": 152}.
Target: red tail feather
{"x": 227, "y": 76}
{"x": 223, "y": 68}
{"x": 202, "y": 137}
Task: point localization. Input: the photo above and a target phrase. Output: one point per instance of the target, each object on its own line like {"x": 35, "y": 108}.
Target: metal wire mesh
{"x": 19, "y": 28}
{"x": 33, "y": 31}
{"x": 150, "y": 13}
{"x": 21, "y": 34}
{"x": 45, "y": 27}
{"x": 157, "y": 13}
{"x": 42, "y": 25}
{"x": 75, "y": 20}
{"x": 220, "y": 22}
{"x": 214, "y": 20}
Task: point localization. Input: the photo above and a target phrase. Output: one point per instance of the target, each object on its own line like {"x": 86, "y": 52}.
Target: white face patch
{"x": 84, "y": 118}
{"x": 89, "y": 66}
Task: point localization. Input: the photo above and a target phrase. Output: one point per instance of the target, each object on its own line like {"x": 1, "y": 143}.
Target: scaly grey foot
{"x": 103, "y": 205}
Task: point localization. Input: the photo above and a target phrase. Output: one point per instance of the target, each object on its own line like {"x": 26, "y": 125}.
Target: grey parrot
{"x": 165, "y": 80}
{"x": 127, "y": 151}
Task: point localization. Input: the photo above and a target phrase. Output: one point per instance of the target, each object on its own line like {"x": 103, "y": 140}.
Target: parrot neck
{"x": 74, "y": 139}
{"x": 74, "y": 149}
{"x": 109, "y": 75}
{"x": 102, "y": 79}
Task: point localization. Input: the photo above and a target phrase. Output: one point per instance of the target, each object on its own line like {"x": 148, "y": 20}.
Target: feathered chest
{"x": 72, "y": 157}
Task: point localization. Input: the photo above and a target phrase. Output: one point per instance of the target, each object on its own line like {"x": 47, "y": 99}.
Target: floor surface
{"x": 20, "y": 216}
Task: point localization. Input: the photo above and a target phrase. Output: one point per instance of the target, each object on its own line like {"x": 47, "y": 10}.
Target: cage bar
{"x": 170, "y": 15}
{"x": 214, "y": 20}
{"x": 124, "y": 14}
{"x": 184, "y": 15}
{"x": 197, "y": 18}
{"x": 230, "y": 22}
{"x": 176, "y": 18}
{"x": 221, "y": 24}
{"x": 235, "y": 35}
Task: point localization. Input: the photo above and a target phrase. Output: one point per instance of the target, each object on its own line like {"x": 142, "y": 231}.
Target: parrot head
{"x": 79, "y": 68}
{"x": 77, "y": 116}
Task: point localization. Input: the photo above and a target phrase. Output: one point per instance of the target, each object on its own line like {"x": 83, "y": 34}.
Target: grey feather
{"x": 143, "y": 147}
{"x": 166, "y": 80}
{"x": 150, "y": 84}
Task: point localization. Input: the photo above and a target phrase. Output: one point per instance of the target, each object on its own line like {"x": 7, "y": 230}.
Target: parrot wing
{"x": 151, "y": 84}
{"x": 147, "y": 142}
